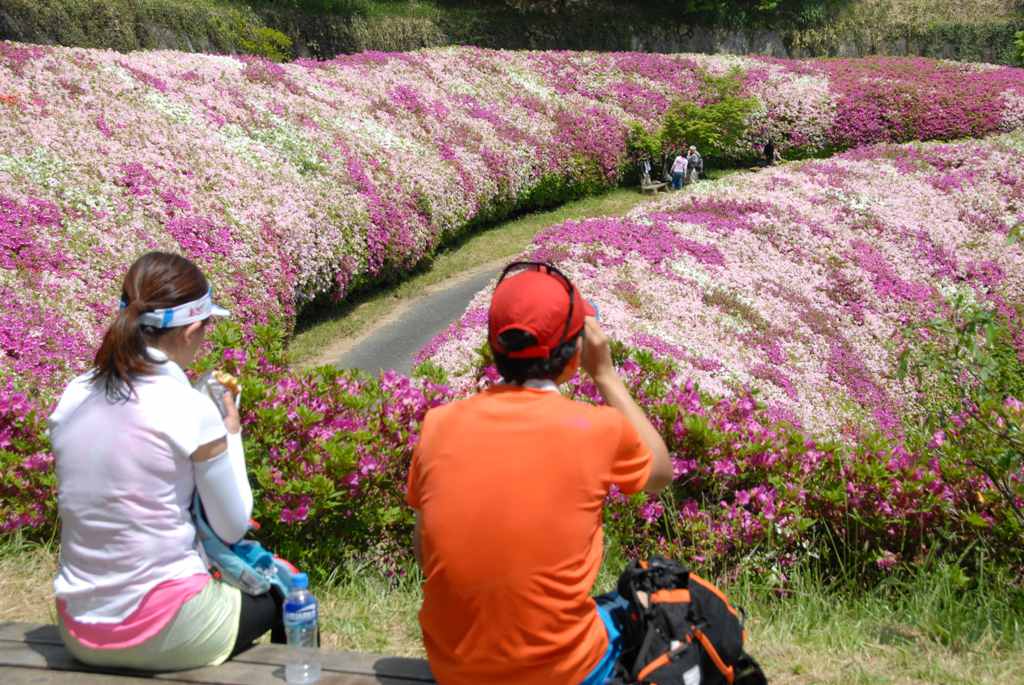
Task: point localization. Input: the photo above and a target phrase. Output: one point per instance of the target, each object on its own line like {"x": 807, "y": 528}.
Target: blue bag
{"x": 245, "y": 564}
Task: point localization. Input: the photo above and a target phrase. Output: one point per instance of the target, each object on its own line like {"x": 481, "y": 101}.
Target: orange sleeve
{"x": 631, "y": 466}
{"x": 414, "y": 486}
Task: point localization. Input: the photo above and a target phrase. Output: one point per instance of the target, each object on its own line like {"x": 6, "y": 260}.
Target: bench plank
{"x": 415, "y": 670}
{"x": 30, "y": 632}
{"x": 37, "y": 646}
{"x": 35, "y": 676}
{"x": 653, "y": 188}
{"x": 52, "y": 659}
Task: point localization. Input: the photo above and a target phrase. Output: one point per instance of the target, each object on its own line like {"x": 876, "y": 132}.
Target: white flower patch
{"x": 368, "y": 128}
{"x": 531, "y": 84}
{"x": 689, "y": 267}
{"x": 174, "y": 111}
{"x": 238, "y": 142}
{"x": 290, "y": 142}
{"x": 1013, "y": 110}
{"x": 117, "y": 73}
{"x": 40, "y": 167}
{"x": 962, "y": 292}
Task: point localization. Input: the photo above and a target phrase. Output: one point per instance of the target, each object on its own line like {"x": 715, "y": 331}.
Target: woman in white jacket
{"x": 132, "y": 442}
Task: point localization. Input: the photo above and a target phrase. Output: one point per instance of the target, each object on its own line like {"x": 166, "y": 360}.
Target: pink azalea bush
{"x": 328, "y": 452}
{"x": 27, "y": 484}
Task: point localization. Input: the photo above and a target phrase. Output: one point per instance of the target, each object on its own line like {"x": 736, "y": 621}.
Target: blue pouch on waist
{"x": 245, "y": 564}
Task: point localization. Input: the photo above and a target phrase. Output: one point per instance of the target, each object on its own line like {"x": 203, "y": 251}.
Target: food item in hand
{"x": 214, "y": 383}
{"x": 228, "y": 381}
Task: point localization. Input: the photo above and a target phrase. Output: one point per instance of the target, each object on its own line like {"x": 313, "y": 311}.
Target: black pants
{"x": 259, "y": 614}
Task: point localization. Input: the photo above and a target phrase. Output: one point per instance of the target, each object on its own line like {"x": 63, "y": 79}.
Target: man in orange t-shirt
{"x": 508, "y": 488}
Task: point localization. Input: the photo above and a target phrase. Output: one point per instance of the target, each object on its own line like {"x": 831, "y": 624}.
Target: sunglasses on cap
{"x": 551, "y": 269}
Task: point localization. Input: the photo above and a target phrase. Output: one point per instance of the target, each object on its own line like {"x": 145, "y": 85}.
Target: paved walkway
{"x": 394, "y": 345}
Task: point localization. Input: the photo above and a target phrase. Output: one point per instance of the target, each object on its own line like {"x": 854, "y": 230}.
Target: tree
{"x": 716, "y": 126}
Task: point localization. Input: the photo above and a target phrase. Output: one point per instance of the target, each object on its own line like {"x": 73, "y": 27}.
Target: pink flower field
{"x": 286, "y": 182}
{"x": 794, "y": 282}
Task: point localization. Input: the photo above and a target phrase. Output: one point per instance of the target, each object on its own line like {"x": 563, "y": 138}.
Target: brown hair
{"x": 157, "y": 280}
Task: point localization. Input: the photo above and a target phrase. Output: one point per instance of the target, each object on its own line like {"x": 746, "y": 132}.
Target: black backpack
{"x": 681, "y": 630}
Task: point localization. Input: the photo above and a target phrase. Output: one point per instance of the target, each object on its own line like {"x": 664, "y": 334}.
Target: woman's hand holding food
{"x": 232, "y": 420}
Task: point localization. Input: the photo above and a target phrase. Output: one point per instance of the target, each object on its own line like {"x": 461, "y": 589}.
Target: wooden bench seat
{"x": 33, "y": 653}
{"x": 648, "y": 185}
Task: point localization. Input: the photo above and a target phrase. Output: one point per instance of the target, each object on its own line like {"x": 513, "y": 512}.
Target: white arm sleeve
{"x": 224, "y": 490}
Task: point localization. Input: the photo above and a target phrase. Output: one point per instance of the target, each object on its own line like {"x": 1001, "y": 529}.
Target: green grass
{"x": 26, "y": 580}
{"x": 320, "y": 332}
{"x": 931, "y": 625}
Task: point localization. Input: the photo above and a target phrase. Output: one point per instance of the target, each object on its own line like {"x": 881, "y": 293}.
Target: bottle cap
{"x": 300, "y": 581}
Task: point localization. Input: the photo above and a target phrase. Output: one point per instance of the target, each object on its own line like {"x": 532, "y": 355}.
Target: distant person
{"x": 508, "y": 488}
{"x": 645, "y": 171}
{"x": 666, "y": 167}
{"x": 132, "y": 441}
{"x": 769, "y": 153}
{"x": 695, "y": 164}
{"x": 678, "y": 172}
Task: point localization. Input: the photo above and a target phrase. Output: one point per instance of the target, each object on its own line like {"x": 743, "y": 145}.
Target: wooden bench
{"x": 647, "y": 185}
{"x": 652, "y": 187}
{"x": 33, "y": 653}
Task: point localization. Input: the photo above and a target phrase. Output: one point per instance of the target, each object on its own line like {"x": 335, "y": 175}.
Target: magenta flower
{"x": 887, "y": 561}
{"x": 938, "y": 440}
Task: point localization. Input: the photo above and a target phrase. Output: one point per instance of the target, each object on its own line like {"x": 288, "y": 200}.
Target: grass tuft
{"x": 27, "y": 570}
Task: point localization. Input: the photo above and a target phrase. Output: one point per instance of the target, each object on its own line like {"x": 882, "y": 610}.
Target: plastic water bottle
{"x": 300, "y": 625}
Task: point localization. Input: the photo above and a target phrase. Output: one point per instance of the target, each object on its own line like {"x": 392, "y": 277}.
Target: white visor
{"x": 183, "y": 314}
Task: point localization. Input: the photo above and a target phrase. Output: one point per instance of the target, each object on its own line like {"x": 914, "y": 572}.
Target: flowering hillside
{"x": 796, "y": 281}
{"x": 290, "y": 181}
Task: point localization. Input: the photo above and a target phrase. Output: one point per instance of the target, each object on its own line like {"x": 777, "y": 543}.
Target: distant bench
{"x": 34, "y": 654}
{"x": 649, "y": 186}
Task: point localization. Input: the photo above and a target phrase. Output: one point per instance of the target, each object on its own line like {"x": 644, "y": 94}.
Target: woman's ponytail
{"x": 157, "y": 280}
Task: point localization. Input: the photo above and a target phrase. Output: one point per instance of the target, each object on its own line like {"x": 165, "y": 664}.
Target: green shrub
{"x": 973, "y": 417}
{"x": 267, "y": 42}
{"x": 126, "y": 25}
{"x": 977, "y": 30}
{"x": 643, "y": 142}
{"x": 342, "y": 7}
{"x": 716, "y": 124}
{"x": 390, "y": 33}
{"x": 716, "y": 129}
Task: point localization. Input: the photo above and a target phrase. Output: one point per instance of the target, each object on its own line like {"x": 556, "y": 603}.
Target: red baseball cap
{"x": 536, "y": 301}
